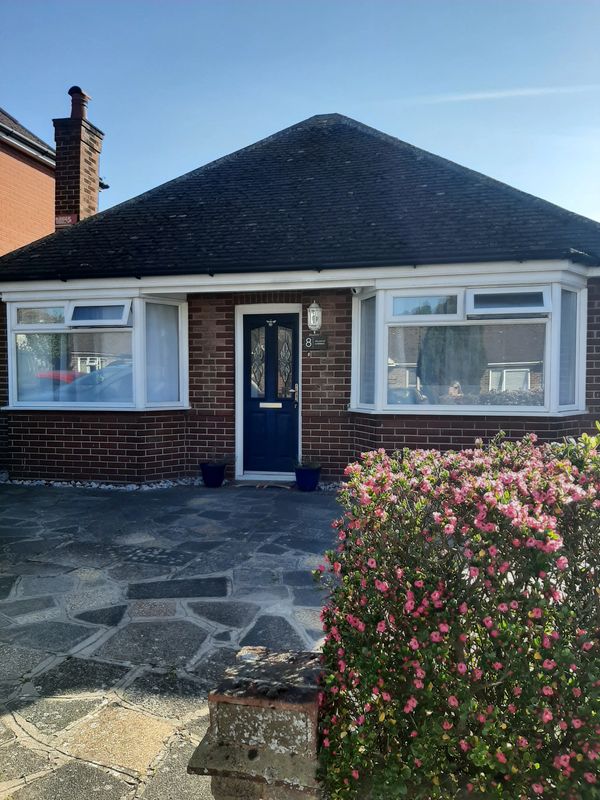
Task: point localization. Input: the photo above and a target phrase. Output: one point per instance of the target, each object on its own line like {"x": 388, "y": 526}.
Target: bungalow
{"x": 327, "y": 290}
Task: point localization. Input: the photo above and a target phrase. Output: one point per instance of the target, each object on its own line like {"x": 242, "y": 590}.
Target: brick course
{"x": 149, "y": 445}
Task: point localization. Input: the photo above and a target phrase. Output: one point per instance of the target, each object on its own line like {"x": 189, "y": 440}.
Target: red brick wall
{"x": 26, "y": 200}
{"x": 78, "y": 147}
{"x": 142, "y": 446}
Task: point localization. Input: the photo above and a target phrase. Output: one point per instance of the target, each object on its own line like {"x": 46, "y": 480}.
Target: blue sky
{"x": 510, "y": 88}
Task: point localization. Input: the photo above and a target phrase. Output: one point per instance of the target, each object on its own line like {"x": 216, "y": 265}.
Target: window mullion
{"x": 381, "y": 348}
{"x": 553, "y": 347}
{"x": 139, "y": 353}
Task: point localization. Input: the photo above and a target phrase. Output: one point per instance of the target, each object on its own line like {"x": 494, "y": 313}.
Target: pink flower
{"x": 387, "y": 697}
{"x": 488, "y": 622}
{"x": 463, "y": 608}
{"x": 355, "y": 774}
{"x": 497, "y": 665}
{"x": 381, "y": 627}
{"x": 512, "y": 708}
{"x": 326, "y": 742}
{"x": 576, "y": 723}
{"x": 411, "y": 704}
{"x": 447, "y": 725}
{"x": 517, "y": 691}
{"x": 464, "y": 746}
{"x": 419, "y": 584}
{"x": 537, "y": 788}
{"x": 522, "y": 742}
{"x": 371, "y": 563}
{"x": 562, "y": 562}
{"x": 503, "y": 607}
{"x": 501, "y": 757}
{"x": 473, "y": 572}
{"x": 576, "y": 692}
{"x": 413, "y": 644}
{"x": 589, "y": 777}
{"x": 546, "y": 716}
{"x": 443, "y": 627}
{"x": 435, "y": 636}
{"x": 536, "y": 613}
{"x": 548, "y": 691}
{"x": 453, "y": 701}
{"x": 461, "y": 667}
{"x": 548, "y": 664}
{"x": 587, "y": 646}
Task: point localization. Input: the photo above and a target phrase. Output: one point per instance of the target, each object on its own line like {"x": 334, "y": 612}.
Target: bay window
{"x": 97, "y": 354}
{"x": 513, "y": 350}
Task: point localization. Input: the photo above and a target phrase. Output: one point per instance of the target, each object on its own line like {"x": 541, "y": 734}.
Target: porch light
{"x": 315, "y": 317}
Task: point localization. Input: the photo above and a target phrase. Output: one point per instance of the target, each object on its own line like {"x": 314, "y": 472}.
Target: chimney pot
{"x": 79, "y": 102}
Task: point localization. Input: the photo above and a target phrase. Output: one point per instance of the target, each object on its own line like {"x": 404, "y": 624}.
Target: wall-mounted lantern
{"x": 315, "y": 317}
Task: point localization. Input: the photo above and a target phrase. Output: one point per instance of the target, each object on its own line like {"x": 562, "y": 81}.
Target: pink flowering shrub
{"x": 462, "y": 634}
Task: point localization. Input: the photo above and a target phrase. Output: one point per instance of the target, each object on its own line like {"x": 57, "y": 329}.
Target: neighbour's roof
{"x": 13, "y": 128}
{"x": 328, "y": 192}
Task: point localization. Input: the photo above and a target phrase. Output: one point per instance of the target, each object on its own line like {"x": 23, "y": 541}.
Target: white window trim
{"x": 548, "y": 316}
{"x": 97, "y": 323}
{"x": 502, "y": 311}
{"x": 138, "y": 353}
{"x": 389, "y": 305}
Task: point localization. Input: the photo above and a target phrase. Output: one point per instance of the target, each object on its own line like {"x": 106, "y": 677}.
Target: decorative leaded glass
{"x": 257, "y": 362}
{"x": 284, "y": 361}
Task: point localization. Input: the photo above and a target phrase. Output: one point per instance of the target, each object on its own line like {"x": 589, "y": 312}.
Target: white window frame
{"x": 97, "y": 323}
{"x": 426, "y": 292}
{"x": 549, "y": 316}
{"x": 137, "y": 331}
{"x": 503, "y": 311}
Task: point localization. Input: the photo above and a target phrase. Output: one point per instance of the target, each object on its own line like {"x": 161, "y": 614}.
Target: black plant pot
{"x": 213, "y": 475}
{"x": 307, "y": 478}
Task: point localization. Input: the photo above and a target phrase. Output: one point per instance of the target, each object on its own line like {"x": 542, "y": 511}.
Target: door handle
{"x": 295, "y": 392}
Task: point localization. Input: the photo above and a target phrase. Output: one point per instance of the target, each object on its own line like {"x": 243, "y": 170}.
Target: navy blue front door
{"x": 270, "y": 392}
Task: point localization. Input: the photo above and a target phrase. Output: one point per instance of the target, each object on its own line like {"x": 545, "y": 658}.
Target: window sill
{"x": 96, "y": 409}
{"x": 418, "y": 411}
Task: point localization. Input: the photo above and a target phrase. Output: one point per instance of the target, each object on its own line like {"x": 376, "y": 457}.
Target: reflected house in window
{"x": 174, "y": 327}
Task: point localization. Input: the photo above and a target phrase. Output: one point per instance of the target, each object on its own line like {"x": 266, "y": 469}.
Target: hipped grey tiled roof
{"x": 328, "y": 192}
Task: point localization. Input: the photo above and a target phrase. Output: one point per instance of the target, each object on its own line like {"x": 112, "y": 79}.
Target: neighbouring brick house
{"x": 26, "y": 185}
{"x": 173, "y": 328}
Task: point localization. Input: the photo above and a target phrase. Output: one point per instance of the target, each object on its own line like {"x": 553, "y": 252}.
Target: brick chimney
{"x": 78, "y": 146}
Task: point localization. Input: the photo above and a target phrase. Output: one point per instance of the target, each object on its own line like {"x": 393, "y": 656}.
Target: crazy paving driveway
{"x": 118, "y": 610}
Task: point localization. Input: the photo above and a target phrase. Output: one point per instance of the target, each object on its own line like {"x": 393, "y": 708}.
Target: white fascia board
{"x": 486, "y": 273}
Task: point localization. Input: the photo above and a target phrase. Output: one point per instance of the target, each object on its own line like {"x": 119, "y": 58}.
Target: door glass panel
{"x": 284, "y": 361}
{"x": 257, "y": 362}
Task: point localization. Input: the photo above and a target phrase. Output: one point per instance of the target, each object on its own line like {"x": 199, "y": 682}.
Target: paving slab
{"x": 274, "y": 632}
{"x": 55, "y": 637}
{"x": 75, "y": 781}
{"x": 298, "y": 577}
{"x": 77, "y": 675}
{"x": 201, "y": 587}
{"x": 152, "y": 608}
{"x": 169, "y": 643}
{"x": 211, "y": 668}
{"x": 6, "y": 735}
{"x": 166, "y": 695}
{"x": 154, "y": 555}
{"x": 171, "y": 781}
{"x": 50, "y": 715}
{"x": 129, "y": 571}
{"x": 16, "y": 661}
{"x": 40, "y": 584}
{"x": 118, "y": 737}
{"x": 18, "y": 761}
{"x": 18, "y": 608}
{"x": 313, "y": 596}
{"x": 6, "y": 584}
{"x": 230, "y": 613}
{"x": 110, "y": 616}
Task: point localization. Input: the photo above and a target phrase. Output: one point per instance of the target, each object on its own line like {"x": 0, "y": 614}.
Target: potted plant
{"x": 307, "y": 476}
{"x": 213, "y": 472}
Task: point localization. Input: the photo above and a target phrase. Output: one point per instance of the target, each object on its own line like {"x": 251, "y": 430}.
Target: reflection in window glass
{"x": 568, "y": 347}
{"x": 86, "y": 367}
{"x": 94, "y": 313}
{"x": 257, "y": 362}
{"x": 509, "y": 300}
{"x": 467, "y": 365}
{"x": 433, "y": 304}
{"x": 367, "y": 351}
{"x": 162, "y": 353}
{"x": 40, "y": 316}
{"x": 284, "y": 361}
